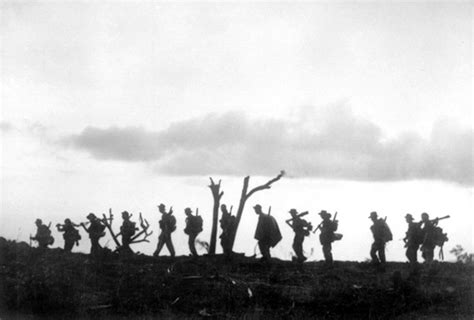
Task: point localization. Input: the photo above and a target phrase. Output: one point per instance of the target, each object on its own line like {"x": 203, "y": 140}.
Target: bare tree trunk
{"x": 217, "y": 195}
{"x": 245, "y": 195}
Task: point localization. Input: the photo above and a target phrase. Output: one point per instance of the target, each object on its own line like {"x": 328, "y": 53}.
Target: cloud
{"x": 330, "y": 144}
{"x": 5, "y": 126}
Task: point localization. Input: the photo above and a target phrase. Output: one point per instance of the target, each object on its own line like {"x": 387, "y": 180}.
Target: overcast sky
{"x": 120, "y": 98}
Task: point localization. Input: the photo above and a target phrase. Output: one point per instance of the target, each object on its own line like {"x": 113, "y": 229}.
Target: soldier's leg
{"x": 327, "y": 253}
{"x": 95, "y": 247}
{"x": 192, "y": 245}
{"x": 169, "y": 245}
{"x": 430, "y": 254}
{"x": 299, "y": 252}
{"x": 373, "y": 255}
{"x": 160, "y": 245}
{"x": 381, "y": 250}
{"x": 264, "y": 249}
{"x": 68, "y": 244}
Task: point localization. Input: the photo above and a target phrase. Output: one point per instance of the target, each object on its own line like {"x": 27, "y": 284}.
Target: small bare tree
{"x": 245, "y": 195}
{"x": 141, "y": 236}
{"x": 217, "y": 195}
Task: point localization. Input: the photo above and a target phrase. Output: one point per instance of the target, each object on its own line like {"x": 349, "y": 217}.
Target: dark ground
{"x": 45, "y": 284}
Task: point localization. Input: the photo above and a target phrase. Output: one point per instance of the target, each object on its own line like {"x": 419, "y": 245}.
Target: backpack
{"x": 194, "y": 225}
{"x": 386, "y": 232}
{"x": 439, "y": 238}
{"x": 168, "y": 222}
{"x": 128, "y": 229}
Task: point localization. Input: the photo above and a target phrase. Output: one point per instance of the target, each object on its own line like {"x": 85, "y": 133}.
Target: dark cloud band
{"x": 336, "y": 144}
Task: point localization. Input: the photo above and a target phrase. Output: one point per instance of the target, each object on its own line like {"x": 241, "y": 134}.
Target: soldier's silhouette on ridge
{"x": 412, "y": 239}
{"x": 127, "y": 231}
{"x": 267, "y": 232}
{"x": 193, "y": 228}
{"x": 382, "y": 234}
{"x": 43, "y": 234}
{"x": 71, "y": 235}
{"x": 327, "y": 236}
{"x": 427, "y": 232}
{"x": 96, "y": 230}
{"x": 301, "y": 228}
{"x": 227, "y": 224}
{"x": 167, "y": 226}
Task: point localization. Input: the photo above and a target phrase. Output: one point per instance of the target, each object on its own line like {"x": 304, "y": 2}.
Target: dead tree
{"x": 141, "y": 236}
{"x": 217, "y": 195}
{"x": 245, "y": 195}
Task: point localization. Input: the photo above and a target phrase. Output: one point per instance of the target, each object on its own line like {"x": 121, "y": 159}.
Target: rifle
{"x": 269, "y": 210}
{"x": 299, "y": 215}
{"x": 438, "y": 219}
{"x": 197, "y": 212}
{"x": 335, "y": 215}
{"x": 231, "y": 207}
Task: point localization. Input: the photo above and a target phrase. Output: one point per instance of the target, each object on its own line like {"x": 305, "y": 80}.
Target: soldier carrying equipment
{"x": 43, "y": 234}
{"x": 432, "y": 236}
{"x": 193, "y": 228}
{"x": 267, "y": 232}
{"x": 328, "y": 235}
{"x": 167, "y": 226}
{"x": 382, "y": 234}
{"x": 228, "y": 223}
{"x": 70, "y": 234}
{"x": 302, "y": 229}
{"x": 127, "y": 231}
{"x": 96, "y": 230}
{"x": 412, "y": 239}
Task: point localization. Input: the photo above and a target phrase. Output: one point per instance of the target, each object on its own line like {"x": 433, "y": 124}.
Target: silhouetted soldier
{"x": 227, "y": 223}
{"x": 43, "y": 234}
{"x": 326, "y": 238}
{"x": 70, "y": 234}
{"x": 127, "y": 231}
{"x": 412, "y": 239}
{"x": 193, "y": 228}
{"x": 428, "y": 237}
{"x": 382, "y": 235}
{"x": 301, "y": 229}
{"x": 167, "y": 226}
{"x": 95, "y": 231}
{"x": 267, "y": 232}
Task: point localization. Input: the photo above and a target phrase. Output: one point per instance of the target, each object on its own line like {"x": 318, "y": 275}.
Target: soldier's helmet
{"x": 425, "y": 216}
{"x": 293, "y": 212}
{"x": 125, "y": 214}
{"x": 67, "y": 221}
{"x": 188, "y": 211}
{"x": 409, "y": 217}
{"x": 324, "y": 214}
{"x": 161, "y": 206}
{"x": 91, "y": 216}
{"x": 39, "y": 221}
{"x": 257, "y": 207}
{"x": 373, "y": 215}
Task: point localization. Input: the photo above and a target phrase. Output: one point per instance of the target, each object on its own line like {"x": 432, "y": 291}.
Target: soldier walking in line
{"x": 43, "y": 234}
{"x": 267, "y": 232}
{"x": 193, "y": 228}
{"x": 167, "y": 226}
{"x": 428, "y": 237}
{"x": 127, "y": 231}
{"x": 412, "y": 239}
{"x": 382, "y": 234}
{"x": 70, "y": 234}
{"x": 301, "y": 229}
{"x": 95, "y": 231}
{"x": 227, "y": 223}
{"x": 327, "y": 236}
